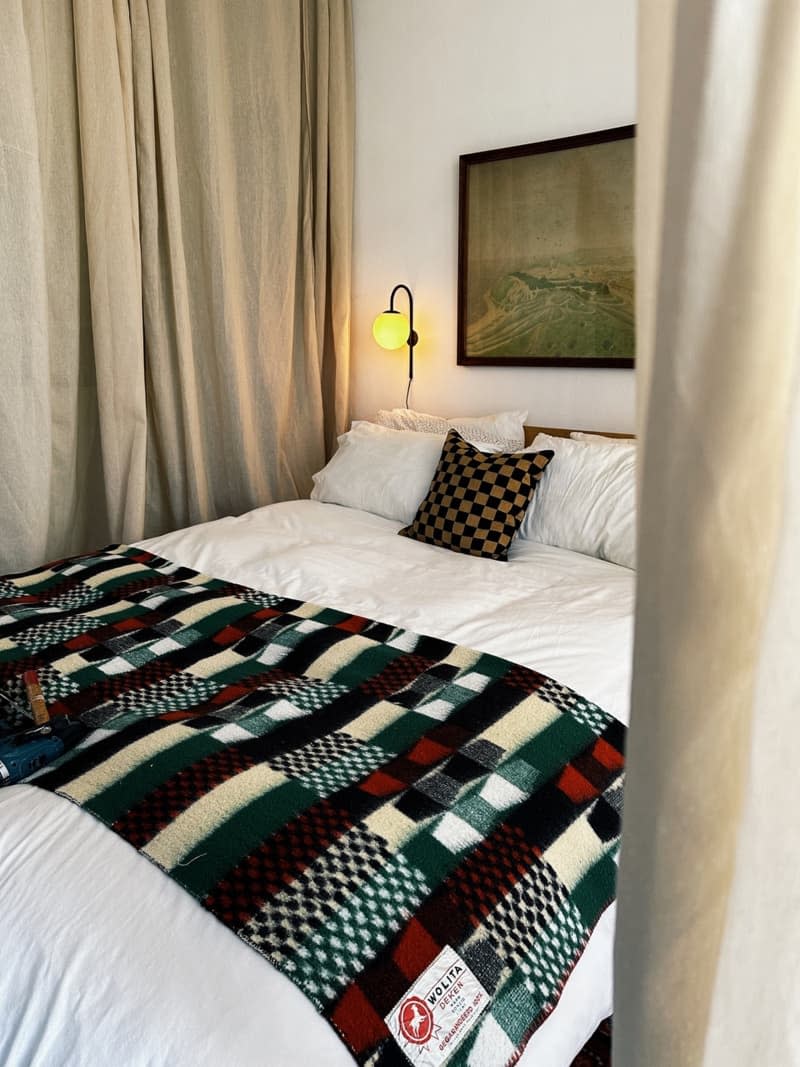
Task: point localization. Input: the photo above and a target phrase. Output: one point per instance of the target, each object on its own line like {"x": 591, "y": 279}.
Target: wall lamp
{"x": 391, "y": 329}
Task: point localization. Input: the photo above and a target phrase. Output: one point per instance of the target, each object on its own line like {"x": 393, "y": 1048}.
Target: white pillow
{"x": 387, "y": 472}
{"x": 586, "y": 500}
{"x": 503, "y": 432}
{"x": 599, "y": 439}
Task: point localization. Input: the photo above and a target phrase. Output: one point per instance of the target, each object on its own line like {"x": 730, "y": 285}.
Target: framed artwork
{"x": 545, "y": 253}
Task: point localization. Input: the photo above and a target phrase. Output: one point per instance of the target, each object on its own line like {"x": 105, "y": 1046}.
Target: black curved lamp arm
{"x": 412, "y": 335}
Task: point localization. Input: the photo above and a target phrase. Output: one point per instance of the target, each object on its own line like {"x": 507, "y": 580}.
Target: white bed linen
{"x": 104, "y": 960}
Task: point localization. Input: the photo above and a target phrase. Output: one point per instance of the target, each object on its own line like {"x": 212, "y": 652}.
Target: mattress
{"x": 106, "y": 959}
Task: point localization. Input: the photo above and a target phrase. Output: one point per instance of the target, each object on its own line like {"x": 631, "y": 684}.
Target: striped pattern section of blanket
{"x": 348, "y": 797}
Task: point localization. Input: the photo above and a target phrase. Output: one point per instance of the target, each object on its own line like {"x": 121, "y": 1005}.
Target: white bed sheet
{"x": 107, "y": 961}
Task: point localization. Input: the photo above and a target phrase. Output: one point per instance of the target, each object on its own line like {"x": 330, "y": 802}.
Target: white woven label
{"x": 438, "y": 1011}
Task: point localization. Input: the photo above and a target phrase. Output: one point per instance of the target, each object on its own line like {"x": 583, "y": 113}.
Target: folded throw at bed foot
{"x": 421, "y": 836}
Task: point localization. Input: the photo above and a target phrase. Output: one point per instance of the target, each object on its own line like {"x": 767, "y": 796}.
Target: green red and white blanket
{"x": 348, "y": 797}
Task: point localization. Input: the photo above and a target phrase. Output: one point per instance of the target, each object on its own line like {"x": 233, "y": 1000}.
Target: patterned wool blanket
{"x": 348, "y": 797}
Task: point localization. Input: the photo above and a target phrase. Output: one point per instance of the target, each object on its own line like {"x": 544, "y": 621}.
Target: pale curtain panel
{"x": 176, "y": 199}
{"x": 244, "y": 128}
{"x": 708, "y": 941}
{"x": 72, "y": 403}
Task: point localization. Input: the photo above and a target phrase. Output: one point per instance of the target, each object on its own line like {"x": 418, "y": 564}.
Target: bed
{"x": 107, "y": 960}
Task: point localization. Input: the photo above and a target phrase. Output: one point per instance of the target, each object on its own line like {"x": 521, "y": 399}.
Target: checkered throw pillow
{"x": 476, "y": 501}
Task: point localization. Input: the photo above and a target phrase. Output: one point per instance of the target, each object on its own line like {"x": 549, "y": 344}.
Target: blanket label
{"x": 438, "y": 1011}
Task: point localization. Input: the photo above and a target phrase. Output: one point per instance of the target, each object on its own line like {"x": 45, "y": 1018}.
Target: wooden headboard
{"x": 560, "y": 431}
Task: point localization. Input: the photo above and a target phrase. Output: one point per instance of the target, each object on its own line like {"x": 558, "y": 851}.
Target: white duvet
{"x": 104, "y": 960}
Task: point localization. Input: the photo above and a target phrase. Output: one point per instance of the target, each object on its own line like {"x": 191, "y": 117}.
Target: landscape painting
{"x": 546, "y": 268}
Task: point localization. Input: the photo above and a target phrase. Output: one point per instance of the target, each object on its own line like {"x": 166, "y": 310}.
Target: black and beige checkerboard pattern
{"x": 477, "y": 501}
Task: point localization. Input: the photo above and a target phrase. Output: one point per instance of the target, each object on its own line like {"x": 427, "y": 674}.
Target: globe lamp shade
{"x": 391, "y": 329}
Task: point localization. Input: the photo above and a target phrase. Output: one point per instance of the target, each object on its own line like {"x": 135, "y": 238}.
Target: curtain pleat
{"x": 111, "y": 221}
{"x": 334, "y": 245}
{"x": 709, "y": 896}
{"x": 25, "y": 411}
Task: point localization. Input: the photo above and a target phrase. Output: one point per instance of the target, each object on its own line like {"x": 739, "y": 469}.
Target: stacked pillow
{"x": 387, "y": 469}
{"x": 587, "y": 499}
{"x": 600, "y": 439}
{"x": 386, "y": 472}
{"x": 448, "y": 492}
{"x": 503, "y": 432}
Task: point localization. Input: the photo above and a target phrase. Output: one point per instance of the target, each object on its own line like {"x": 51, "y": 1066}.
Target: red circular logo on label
{"x": 416, "y": 1020}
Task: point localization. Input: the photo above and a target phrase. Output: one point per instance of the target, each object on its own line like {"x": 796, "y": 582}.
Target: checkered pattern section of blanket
{"x": 346, "y": 796}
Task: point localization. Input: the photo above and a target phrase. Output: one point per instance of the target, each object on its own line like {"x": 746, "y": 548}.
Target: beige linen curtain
{"x": 72, "y": 399}
{"x": 709, "y": 918}
{"x": 176, "y": 225}
{"x": 244, "y": 132}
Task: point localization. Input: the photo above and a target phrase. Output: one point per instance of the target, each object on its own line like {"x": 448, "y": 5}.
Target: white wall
{"x": 437, "y": 78}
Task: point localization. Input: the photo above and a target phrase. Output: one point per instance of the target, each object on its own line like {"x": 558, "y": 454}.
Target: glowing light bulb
{"x": 391, "y": 329}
